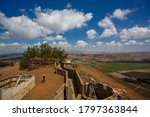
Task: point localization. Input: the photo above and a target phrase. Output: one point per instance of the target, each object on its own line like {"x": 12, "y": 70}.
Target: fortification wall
{"x": 60, "y": 93}
{"x": 74, "y": 87}
{"x": 70, "y": 90}
{"x": 79, "y": 83}
{"x": 19, "y": 91}
{"x": 60, "y": 71}
{"x": 70, "y": 71}
{"x": 113, "y": 97}
{"x": 69, "y": 83}
{"x": 103, "y": 91}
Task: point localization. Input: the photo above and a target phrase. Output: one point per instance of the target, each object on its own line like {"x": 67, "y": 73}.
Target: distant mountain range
{"x": 11, "y": 56}
{"x": 17, "y": 56}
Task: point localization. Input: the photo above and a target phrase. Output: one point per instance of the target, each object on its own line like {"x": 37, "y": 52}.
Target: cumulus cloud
{"x": 109, "y": 27}
{"x": 58, "y": 21}
{"x": 113, "y": 43}
{"x": 99, "y": 43}
{"x": 54, "y": 38}
{"x": 11, "y": 44}
{"x": 147, "y": 41}
{"x": 91, "y": 34}
{"x": 12, "y": 47}
{"x": 81, "y": 44}
{"x": 135, "y": 32}
{"x": 5, "y": 35}
{"x": 46, "y": 22}
{"x": 62, "y": 44}
{"x": 121, "y": 14}
{"x": 2, "y": 44}
{"x": 133, "y": 42}
{"x": 21, "y": 27}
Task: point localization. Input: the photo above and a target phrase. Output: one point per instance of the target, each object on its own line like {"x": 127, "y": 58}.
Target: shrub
{"x": 43, "y": 51}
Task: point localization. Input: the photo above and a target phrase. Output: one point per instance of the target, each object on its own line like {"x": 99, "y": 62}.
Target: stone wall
{"x": 19, "y": 91}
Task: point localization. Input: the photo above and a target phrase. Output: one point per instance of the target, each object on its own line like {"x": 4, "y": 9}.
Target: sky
{"x": 89, "y": 26}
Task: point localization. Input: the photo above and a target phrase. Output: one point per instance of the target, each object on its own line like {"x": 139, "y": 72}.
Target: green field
{"x": 113, "y": 67}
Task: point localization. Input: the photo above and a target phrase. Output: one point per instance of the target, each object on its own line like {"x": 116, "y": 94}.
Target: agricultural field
{"x": 114, "y": 67}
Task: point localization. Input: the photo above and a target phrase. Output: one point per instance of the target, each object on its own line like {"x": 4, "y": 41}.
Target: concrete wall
{"x": 79, "y": 83}
{"x": 113, "y": 97}
{"x": 60, "y": 71}
{"x": 70, "y": 86}
{"x": 60, "y": 93}
{"x": 103, "y": 91}
{"x": 71, "y": 72}
{"x": 19, "y": 91}
{"x": 70, "y": 90}
{"x": 64, "y": 73}
{"x": 74, "y": 87}
{"x": 8, "y": 80}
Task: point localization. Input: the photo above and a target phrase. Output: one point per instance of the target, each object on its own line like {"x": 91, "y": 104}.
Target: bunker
{"x": 16, "y": 87}
{"x": 75, "y": 89}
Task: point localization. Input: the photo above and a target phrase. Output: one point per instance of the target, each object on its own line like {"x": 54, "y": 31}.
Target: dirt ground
{"x": 46, "y": 90}
{"x": 100, "y": 76}
{"x": 42, "y": 91}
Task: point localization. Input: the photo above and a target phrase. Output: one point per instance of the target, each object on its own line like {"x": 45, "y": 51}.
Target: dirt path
{"x": 42, "y": 91}
{"x": 100, "y": 76}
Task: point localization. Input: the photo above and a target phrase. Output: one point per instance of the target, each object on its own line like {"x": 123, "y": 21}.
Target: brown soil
{"x": 42, "y": 91}
{"x": 100, "y": 76}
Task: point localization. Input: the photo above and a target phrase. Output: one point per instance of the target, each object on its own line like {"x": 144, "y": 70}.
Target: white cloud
{"x": 114, "y": 43}
{"x": 62, "y": 44}
{"x": 109, "y": 27}
{"x": 5, "y": 35}
{"x": 58, "y": 21}
{"x": 133, "y": 42}
{"x": 37, "y": 44}
{"x": 11, "y": 44}
{"x": 2, "y": 44}
{"x": 15, "y": 44}
{"x": 81, "y": 43}
{"x": 135, "y": 32}
{"x": 121, "y": 14}
{"x": 91, "y": 34}
{"x": 46, "y": 22}
{"x": 13, "y": 47}
{"x": 147, "y": 41}
{"x": 99, "y": 43}
{"x": 21, "y": 27}
{"x": 54, "y": 38}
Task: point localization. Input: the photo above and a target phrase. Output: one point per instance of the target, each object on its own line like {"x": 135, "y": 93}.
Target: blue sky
{"x": 92, "y": 26}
